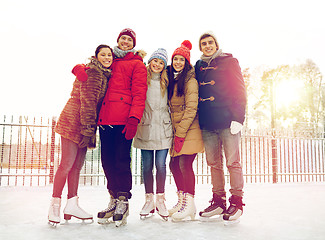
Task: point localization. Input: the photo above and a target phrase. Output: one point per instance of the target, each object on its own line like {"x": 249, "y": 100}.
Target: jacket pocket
{"x": 120, "y": 97}
{"x": 167, "y": 125}
{"x": 118, "y": 107}
{"x": 143, "y": 131}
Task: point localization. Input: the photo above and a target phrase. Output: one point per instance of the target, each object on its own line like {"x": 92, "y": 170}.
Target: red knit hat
{"x": 184, "y": 50}
{"x": 129, "y": 32}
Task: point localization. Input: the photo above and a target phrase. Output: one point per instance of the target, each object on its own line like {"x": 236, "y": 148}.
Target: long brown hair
{"x": 179, "y": 80}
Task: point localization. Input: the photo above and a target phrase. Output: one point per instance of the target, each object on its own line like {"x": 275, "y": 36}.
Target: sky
{"x": 42, "y": 40}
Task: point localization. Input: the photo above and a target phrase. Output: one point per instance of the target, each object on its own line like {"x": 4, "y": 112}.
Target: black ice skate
{"x": 105, "y": 215}
{"x": 217, "y": 207}
{"x": 235, "y": 209}
{"x": 122, "y": 209}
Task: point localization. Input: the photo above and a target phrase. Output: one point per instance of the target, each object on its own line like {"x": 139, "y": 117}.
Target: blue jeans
{"x": 147, "y": 163}
{"x": 213, "y": 143}
{"x": 182, "y": 169}
{"x": 72, "y": 160}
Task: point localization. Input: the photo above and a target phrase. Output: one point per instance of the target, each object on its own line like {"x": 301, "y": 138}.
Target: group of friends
{"x": 177, "y": 109}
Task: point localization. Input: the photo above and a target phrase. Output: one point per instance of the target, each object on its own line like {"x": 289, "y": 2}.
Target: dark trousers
{"x": 116, "y": 159}
{"x": 182, "y": 169}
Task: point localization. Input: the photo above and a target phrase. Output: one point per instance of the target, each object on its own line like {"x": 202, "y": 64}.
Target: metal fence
{"x": 30, "y": 155}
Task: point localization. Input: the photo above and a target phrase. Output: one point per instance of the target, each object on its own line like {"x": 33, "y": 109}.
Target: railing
{"x": 30, "y": 155}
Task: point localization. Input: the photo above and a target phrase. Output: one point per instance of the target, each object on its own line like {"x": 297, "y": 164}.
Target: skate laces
{"x": 121, "y": 207}
{"x": 236, "y": 201}
{"x": 56, "y": 209}
{"x": 161, "y": 199}
{"x": 234, "y": 204}
{"x": 214, "y": 203}
{"x": 146, "y": 205}
{"x": 179, "y": 202}
{"x": 111, "y": 206}
{"x": 161, "y": 204}
{"x": 184, "y": 205}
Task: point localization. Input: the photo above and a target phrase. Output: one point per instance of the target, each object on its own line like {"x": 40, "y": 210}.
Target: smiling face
{"x": 178, "y": 63}
{"x": 105, "y": 57}
{"x": 208, "y": 46}
{"x": 157, "y": 65}
{"x": 125, "y": 43}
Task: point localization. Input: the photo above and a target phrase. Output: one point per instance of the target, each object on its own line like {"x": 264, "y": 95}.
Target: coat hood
{"x": 141, "y": 53}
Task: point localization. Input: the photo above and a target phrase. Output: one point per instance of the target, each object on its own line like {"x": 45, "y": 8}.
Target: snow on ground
{"x": 272, "y": 211}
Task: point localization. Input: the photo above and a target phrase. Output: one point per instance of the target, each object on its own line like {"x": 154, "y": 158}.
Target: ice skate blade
{"x": 231, "y": 222}
{"x": 186, "y": 219}
{"x": 53, "y": 224}
{"x": 104, "y": 221}
{"x": 146, "y": 216}
{"x": 215, "y": 218}
{"x": 120, "y": 223}
{"x": 84, "y": 221}
{"x": 165, "y": 218}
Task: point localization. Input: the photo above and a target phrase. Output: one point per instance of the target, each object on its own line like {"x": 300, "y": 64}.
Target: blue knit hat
{"x": 161, "y": 53}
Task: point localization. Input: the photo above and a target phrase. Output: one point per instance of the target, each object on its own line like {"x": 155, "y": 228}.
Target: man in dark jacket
{"x": 222, "y": 104}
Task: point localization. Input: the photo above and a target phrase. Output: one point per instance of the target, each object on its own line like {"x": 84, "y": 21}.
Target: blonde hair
{"x": 163, "y": 79}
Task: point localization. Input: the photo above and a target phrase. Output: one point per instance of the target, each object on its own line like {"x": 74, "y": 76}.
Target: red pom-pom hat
{"x": 184, "y": 50}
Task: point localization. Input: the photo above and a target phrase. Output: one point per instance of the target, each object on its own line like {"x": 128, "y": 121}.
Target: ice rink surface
{"x": 273, "y": 211}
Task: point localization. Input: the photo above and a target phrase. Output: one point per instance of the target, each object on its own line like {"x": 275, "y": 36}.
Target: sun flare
{"x": 288, "y": 92}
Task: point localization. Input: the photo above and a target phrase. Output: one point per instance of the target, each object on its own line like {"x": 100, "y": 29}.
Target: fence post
{"x": 52, "y": 150}
{"x": 274, "y": 158}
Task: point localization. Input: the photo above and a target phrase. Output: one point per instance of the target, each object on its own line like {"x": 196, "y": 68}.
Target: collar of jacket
{"x": 130, "y": 56}
{"x": 94, "y": 63}
{"x": 190, "y": 74}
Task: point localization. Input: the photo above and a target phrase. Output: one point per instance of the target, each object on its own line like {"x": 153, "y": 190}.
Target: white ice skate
{"x": 72, "y": 209}
{"x": 54, "y": 212}
{"x": 148, "y": 208}
{"x": 188, "y": 209}
{"x": 161, "y": 207}
{"x": 179, "y": 204}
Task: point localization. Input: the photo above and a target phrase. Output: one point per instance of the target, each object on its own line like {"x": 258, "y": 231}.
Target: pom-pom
{"x": 187, "y": 44}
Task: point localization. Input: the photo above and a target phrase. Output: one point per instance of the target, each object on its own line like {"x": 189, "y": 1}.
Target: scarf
{"x": 96, "y": 63}
{"x": 210, "y": 58}
{"x": 155, "y": 76}
{"x": 121, "y": 53}
{"x": 176, "y": 75}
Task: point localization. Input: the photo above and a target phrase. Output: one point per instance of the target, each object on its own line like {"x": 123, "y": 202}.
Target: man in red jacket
{"x": 120, "y": 113}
